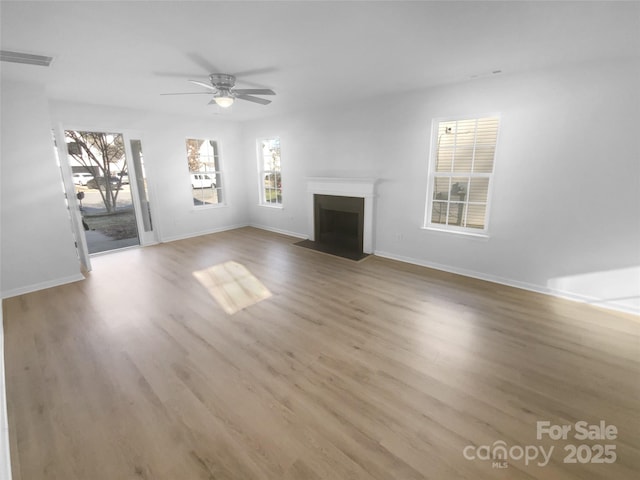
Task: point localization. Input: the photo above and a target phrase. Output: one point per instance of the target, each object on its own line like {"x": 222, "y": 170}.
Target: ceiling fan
{"x": 221, "y": 86}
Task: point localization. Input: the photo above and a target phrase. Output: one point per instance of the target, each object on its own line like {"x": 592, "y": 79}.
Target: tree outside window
{"x": 205, "y": 173}
{"x": 102, "y": 155}
{"x": 269, "y": 171}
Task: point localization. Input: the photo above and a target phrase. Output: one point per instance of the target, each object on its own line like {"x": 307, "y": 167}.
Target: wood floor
{"x": 348, "y": 370}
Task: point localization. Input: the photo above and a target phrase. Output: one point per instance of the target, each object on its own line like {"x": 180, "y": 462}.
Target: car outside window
{"x": 205, "y": 172}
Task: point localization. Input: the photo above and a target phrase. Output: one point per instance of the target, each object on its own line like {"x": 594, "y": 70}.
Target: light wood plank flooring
{"x": 370, "y": 370}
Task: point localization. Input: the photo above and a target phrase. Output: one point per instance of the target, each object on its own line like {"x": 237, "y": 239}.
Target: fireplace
{"x": 340, "y": 212}
{"x": 339, "y": 222}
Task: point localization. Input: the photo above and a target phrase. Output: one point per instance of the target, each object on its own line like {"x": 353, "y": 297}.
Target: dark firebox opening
{"x": 339, "y": 222}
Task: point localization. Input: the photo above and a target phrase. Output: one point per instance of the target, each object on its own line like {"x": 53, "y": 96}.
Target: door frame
{"x": 144, "y": 238}
{"x": 72, "y": 201}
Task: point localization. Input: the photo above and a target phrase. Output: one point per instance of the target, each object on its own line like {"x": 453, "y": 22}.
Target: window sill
{"x": 268, "y": 205}
{"x": 197, "y": 208}
{"x": 481, "y": 236}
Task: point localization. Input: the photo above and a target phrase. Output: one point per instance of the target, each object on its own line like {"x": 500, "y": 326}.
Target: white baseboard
{"x": 173, "y": 238}
{"x": 5, "y": 456}
{"x": 279, "y": 230}
{"x": 511, "y": 283}
{"x": 42, "y": 285}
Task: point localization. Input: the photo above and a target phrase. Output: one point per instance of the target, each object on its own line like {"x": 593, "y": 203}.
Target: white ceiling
{"x": 310, "y": 53}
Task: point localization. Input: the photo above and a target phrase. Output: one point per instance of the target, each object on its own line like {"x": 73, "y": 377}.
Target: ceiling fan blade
{"x": 202, "y": 84}
{"x": 251, "y": 98}
{"x": 176, "y": 75}
{"x": 188, "y": 93}
{"x": 255, "y": 71}
{"x": 254, "y": 91}
{"x": 202, "y": 62}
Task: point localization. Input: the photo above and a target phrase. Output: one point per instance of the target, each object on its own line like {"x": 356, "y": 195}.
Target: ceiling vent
{"x": 29, "y": 59}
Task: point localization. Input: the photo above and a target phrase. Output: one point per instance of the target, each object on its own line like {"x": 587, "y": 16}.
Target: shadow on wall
{"x": 618, "y": 289}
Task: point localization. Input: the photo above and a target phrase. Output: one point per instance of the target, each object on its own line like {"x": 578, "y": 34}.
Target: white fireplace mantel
{"x": 344, "y": 187}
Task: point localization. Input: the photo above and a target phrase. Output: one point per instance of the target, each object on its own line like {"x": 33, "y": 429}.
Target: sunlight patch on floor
{"x": 618, "y": 289}
{"x": 232, "y": 286}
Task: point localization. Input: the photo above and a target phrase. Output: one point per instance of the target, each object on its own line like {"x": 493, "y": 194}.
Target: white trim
{"x": 277, "y": 206}
{"x": 598, "y": 302}
{"x": 144, "y": 238}
{"x": 5, "y": 454}
{"x": 73, "y": 205}
{"x": 345, "y": 187}
{"x": 207, "y": 206}
{"x": 115, "y": 250}
{"x": 203, "y": 232}
{"x": 279, "y": 230}
{"x": 42, "y": 285}
{"x": 459, "y": 232}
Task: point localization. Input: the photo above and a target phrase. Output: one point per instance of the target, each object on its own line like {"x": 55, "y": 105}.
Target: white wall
{"x": 566, "y": 197}
{"x": 566, "y": 204}
{"x": 163, "y": 143}
{"x": 37, "y": 243}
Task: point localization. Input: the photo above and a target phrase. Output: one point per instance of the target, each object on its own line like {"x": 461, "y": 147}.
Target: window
{"x": 205, "y": 173}
{"x": 270, "y": 177}
{"x": 460, "y": 174}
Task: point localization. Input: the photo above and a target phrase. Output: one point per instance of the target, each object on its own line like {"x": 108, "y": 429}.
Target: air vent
{"x": 29, "y": 59}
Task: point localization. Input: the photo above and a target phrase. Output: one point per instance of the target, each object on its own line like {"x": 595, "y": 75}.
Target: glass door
{"x": 110, "y": 187}
{"x": 140, "y": 194}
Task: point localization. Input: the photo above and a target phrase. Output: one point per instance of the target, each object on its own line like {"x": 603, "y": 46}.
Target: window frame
{"x": 432, "y": 174}
{"x": 213, "y": 173}
{"x": 262, "y": 201}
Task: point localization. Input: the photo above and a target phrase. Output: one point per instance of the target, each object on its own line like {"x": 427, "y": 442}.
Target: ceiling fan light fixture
{"x": 224, "y": 101}
{"x": 221, "y": 88}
